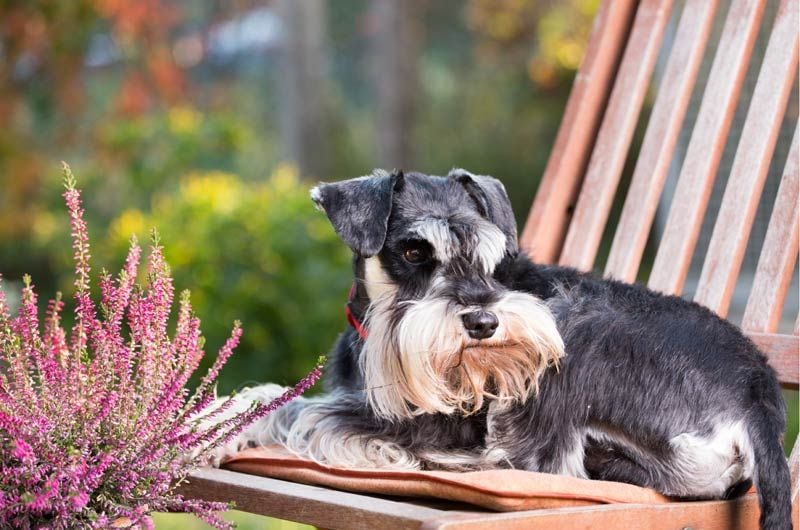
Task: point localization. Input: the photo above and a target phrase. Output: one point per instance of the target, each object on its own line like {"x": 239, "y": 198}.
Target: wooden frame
{"x": 326, "y": 508}
{"x": 571, "y": 209}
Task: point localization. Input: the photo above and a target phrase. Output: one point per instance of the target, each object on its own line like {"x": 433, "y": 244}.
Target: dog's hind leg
{"x": 604, "y": 461}
{"x": 692, "y": 465}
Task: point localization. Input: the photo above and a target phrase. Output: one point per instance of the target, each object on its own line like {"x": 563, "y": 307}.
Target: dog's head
{"x": 444, "y": 335}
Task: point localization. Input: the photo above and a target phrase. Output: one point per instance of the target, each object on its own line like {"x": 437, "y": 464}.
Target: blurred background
{"x": 211, "y": 120}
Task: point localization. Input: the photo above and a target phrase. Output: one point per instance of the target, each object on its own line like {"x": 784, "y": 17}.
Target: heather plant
{"x": 96, "y": 425}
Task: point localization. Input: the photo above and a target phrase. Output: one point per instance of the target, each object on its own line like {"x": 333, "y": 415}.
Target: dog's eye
{"x": 417, "y": 253}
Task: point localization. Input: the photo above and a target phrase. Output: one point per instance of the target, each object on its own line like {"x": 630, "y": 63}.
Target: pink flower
{"x": 22, "y": 451}
{"x": 93, "y": 429}
{"x": 79, "y": 500}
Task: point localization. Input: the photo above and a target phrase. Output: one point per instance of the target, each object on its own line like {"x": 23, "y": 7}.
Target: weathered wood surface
{"x": 741, "y": 514}
{"x": 782, "y": 351}
{"x": 753, "y": 156}
{"x": 779, "y": 252}
{"x": 615, "y": 135}
{"x": 549, "y": 217}
{"x": 660, "y": 139}
{"x": 302, "y": 503}
{"x": 706, "y": 146}
{"x": 334, "y": 509}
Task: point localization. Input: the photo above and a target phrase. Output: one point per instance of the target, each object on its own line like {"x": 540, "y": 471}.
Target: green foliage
{"x": 145, "y": 153}
{"x": 254, "y": 251}
{"x": 792, "y": 419}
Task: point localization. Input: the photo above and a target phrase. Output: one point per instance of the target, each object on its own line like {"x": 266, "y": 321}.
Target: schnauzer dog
{"x": 463, "y": 354}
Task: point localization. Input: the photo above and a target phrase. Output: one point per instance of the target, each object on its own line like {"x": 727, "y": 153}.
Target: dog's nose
{"x": 480, "y": 324}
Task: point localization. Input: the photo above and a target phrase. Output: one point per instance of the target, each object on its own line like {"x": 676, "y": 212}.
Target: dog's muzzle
{"x": 432, "y": 356}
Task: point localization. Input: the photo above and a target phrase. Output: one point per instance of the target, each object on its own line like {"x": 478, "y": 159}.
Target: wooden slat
{"x": 660, "y": 139}
{"x": 549, "y": 216}
{"x": 616, "y": 132}
{"x": 753, "y": 156}
{"x": 783, "y": 352}
{"x": 779, "y": 253}
{"x": 706, "y": 146}
{"x": 739, "y": 514}
{"x": 312, "y": 505}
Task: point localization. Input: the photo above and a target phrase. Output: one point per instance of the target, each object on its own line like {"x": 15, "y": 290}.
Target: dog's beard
{"x": 425, "y": 363}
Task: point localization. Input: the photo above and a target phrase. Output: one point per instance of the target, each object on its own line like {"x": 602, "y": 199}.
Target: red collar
{"x": 351, "y": 318}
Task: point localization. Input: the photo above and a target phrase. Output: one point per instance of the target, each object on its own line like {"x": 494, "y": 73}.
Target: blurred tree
{"x": 304, "y": 83}
{"x": 397, "y": 44}
{"x": 41, "y": 46}
{"x": 45, "y": 48}
{"x": 549, "y": 35}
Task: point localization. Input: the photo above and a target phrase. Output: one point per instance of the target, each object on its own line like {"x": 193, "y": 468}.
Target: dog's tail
{"x": 771, "y": 475}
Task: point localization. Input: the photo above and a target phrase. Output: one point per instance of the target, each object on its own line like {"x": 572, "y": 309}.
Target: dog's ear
{"x": 359, "y": 208}
{"x": 492, "y": 202}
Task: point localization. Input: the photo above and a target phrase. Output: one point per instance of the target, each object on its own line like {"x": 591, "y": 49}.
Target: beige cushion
{"x": 502, "y": 490}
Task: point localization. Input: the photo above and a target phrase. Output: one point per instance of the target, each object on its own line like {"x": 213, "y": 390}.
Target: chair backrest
{"x": 571, "y": 210}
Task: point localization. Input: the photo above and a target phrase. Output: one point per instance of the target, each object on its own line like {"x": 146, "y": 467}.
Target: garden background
{"x": 210, "y": 121}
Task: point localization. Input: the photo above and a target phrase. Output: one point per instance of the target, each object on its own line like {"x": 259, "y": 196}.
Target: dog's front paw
{"x": 206, "y": 455}
{"x": 251, "y": 436}
{"x": 214, "y": 457}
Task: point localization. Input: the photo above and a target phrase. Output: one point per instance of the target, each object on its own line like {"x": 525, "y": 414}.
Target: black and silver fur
{"x": 560, "y": 371}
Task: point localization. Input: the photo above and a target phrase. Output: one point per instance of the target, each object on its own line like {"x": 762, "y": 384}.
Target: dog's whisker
{"x": 376, "y": 387}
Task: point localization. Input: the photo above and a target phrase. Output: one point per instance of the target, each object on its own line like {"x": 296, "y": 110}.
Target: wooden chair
{"x": 569, "y": 216}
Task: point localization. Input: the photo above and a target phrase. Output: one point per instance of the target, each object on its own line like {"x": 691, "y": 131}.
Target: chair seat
{"x": 499, "y": 490}
{"x": 366, "y": 499}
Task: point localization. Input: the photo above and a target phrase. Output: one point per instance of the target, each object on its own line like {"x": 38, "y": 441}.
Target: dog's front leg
{"x": 329, "y": 429}
{"x": 257, "y": 433}
{"x": 335, "y": 429}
